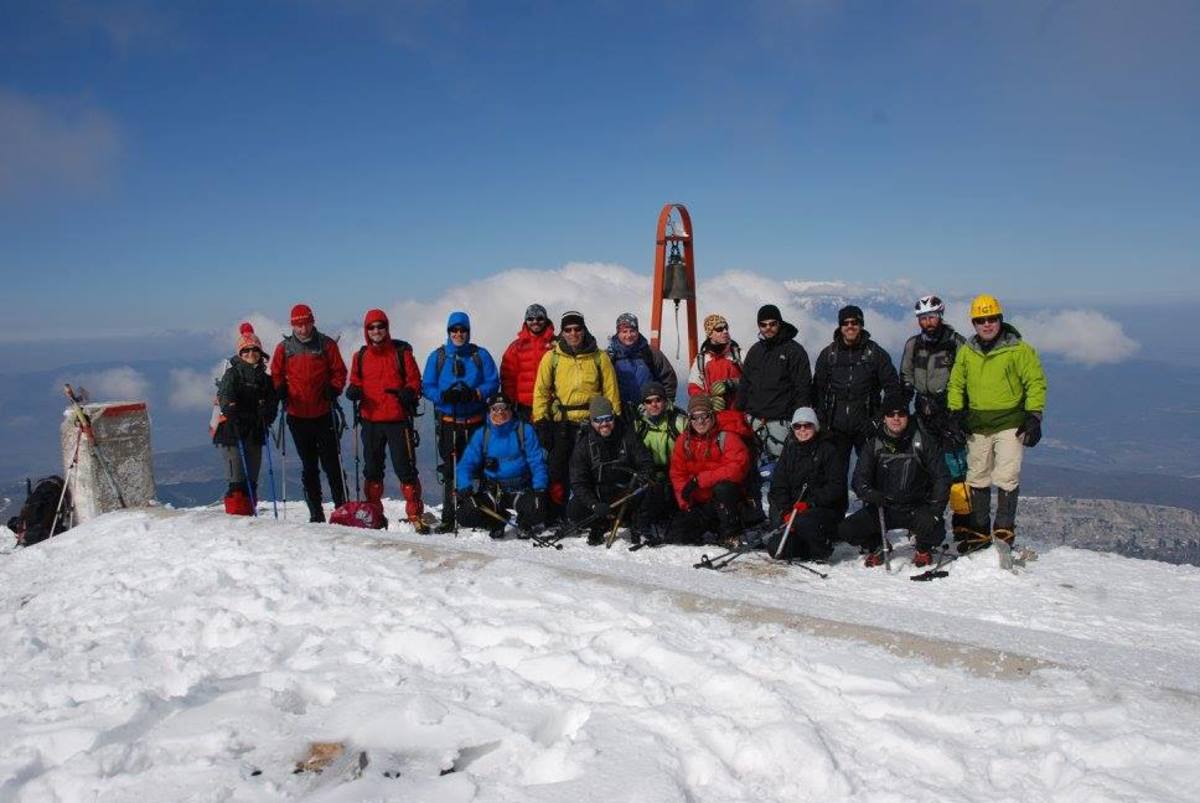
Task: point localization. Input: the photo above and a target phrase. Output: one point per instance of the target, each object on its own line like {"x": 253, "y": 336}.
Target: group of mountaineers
{"x": 569, "y": 436}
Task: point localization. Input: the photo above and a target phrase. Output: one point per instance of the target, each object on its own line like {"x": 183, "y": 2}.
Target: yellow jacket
{"x": 566, "y": 382}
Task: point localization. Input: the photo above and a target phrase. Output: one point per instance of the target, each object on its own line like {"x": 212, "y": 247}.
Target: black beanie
{"x": 769, "y": 312}
{"x": 894, "y": 400}
{"x": 851, "y": 311}
{"x": 571, "y": 318}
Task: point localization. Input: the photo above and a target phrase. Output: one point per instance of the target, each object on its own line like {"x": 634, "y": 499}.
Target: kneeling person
{"x": 808, "y": 489}
{"x": 902, "y": 471}
{"x": 502, "y": 469}
{"x": 608, "y": 463}
{"x": 708, "y": 470}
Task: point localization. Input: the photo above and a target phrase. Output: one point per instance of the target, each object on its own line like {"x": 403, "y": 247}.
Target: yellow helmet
{"x": 985, "y": 306}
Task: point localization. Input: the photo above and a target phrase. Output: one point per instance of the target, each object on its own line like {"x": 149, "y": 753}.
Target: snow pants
{"x": 811, "y": 536}
{"x": 382, "y": 437}
{"x": 995, "y": 460}
{"x": 558, "y": 465}
{"x": 524, "y": 503}
{"x": 232, "y": 458}
{"x": 861, "y": 528}
{"x": 317, "y": 444}
{"x": 634, "y": 513}
{"x": 718, "y": 516}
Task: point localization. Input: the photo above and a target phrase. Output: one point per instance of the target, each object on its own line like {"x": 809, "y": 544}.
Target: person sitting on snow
{"x": 659, "y": 423}
{"x": 502, "y": 469}
{"x": 708, "y": 469}
{"x": 808, "y": 487}
{"x": 608, "y": 463}
{"x": 901, "y": 471}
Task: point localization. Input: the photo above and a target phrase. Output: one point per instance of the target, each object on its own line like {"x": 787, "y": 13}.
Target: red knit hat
{"x": 247, "y": 339}
{"x": 301, "y": 314}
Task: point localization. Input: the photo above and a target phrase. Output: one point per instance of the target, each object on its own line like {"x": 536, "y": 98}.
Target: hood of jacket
{"x": 458, "y": 318}
{"x": 376, "y": 316}
{"x": 586, "y": 346}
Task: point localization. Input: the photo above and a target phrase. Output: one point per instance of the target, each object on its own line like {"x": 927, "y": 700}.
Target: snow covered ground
{"x": 164, "y": 655}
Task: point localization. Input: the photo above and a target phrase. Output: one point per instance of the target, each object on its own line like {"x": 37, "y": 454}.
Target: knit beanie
{"x": 301, "y": 314}
{"x": 247, "y": 339}
{"x": 627, "y": 319}
{"x": 700, "y": 404}
{"x": 599, "y": 406}
{"x": 893, "y": 401}
{"x": 712, "y": 322}
{"x": 806, "y": 415}
{"x": 769, "y": 312}
{"x": 653, "y": 388}
{"x": 850, "y": 311}
{"x": 535, "y": 311}
{"x": 571, "y": 318}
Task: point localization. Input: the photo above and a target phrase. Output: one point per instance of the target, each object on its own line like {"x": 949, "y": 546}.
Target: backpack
{"x": 365, "y": 515}
{"x": 38, "y": 514}
{"x": 401, "y": 346}
{"x": 641, "y": 427}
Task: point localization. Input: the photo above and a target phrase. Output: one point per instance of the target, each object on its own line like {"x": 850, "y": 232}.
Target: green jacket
{"x": 999, "y": 386}
{"x": 659, "y": 437}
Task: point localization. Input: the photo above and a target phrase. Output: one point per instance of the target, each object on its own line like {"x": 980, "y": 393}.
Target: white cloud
{"x": 72, "y": 145}
{"x": 602, "y": 291}
{"x": 114, "y": 384}
{"x": 1080, "y": 335}
{"x": 192, "y": 390}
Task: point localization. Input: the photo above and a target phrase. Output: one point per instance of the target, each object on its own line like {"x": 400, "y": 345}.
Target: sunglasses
{"x": 896, "y": 414}
{"x": 499, "y": 407}
{"x": 988, "y": 319}
{"x": 604, "y": 419}
{"x": 653, "y": 400}
{"x": 768, "y": 324}
{"x": 803, "y": 425}
{"x": 721, "y": 328}
{"x": 572, "y": 330}
{"x": 535, "y": 320}
{"x": 458, "y": 330}
{"x": 699, "y": 416}
{"x": 376, "y": 326}
{"x": 250, "y": 350}
{"x": 853, "y": 323}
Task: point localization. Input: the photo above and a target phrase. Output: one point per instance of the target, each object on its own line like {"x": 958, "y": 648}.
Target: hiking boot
{"x": 922, "y": 558}
{"x": 444, "y": 526}
{"x": 596, "y": 537}
{"x": 635, "y": 537}
{"x": 873, "y": 559}
{"x": 967, "y": 540}
{"x": 316, "y": 513}
{"x": 497, "y": 532}
{"x": 419, "y": 526}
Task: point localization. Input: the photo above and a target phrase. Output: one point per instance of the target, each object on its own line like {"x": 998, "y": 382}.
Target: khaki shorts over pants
{"x": 995, "y": 460}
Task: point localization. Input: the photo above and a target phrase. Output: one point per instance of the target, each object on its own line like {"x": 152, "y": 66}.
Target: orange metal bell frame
{"x": 661, "y": 248}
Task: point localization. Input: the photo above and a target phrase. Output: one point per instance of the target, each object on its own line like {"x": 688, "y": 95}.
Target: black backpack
{"x": 37, "y": 517}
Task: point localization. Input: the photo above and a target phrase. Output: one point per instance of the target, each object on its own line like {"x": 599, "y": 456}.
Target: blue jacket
{"x": 632, "y": 364}
{"x": 515, "y": 469}
{"x": 481, "y": 377}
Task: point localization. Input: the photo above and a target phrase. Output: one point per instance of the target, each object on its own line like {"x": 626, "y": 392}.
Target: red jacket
{"x": 376, "y": 368}
{"x": 708, "y": 368}
{"x": 704, "y": 457}
{"x": 519, "y": 366}
{"x": 310, "y": 372}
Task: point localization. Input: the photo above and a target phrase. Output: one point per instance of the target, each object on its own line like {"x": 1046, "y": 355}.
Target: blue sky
{"x": 172, "y": 164}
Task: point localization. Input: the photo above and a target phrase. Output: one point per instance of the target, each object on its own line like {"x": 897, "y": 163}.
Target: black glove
{"x": 1030, "y": 431}
{"x": 408, "y": 398}
{"x": 354, "y": 393}
{"x": 452, "y": 396}
{"x": 545, "y": 433}
{"x": 689, "y": 490}
{"x": 643, "y": 478}
{"x": 332, "y": 393}
{"x": 873, "y": 497}
{"x": 956, "y": 430}
{"x": 281, "y": 393}
{"x": 600, "y": 509}
{"x": 228, "y": 408}
{"x": 465, "y": 499}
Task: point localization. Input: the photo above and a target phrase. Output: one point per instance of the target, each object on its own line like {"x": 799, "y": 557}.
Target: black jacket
{"x": 850, "y": 381}
{"x": 603, "y": 468}
{"x": 248, "y": 402}
{"x": 776, "y": 377}
{"x": 815, "y": 464}
{"x": 909, "y": 470}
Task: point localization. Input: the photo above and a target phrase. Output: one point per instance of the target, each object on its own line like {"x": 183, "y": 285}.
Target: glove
{"x": 873, "y": 497}
{"x": 797, "y": 508}
{"x": 600, "y": 509}
{"x": 465, "y": 498}
{"x": 545, "y": 433}
{"x": 718, "y": 388}
{"x": 956, "y": 430}
{"x": 332, "y": 393}
{"x": 281, "y": 393}
{"x": 408, "y": 398}
{"x": 643, "y": 478}
{"x": 452, "y": 396}
{"x": 354, "y": 393}
{"x": 1030, "y": 431}
{"x": 689, "y": 490}
{"x": 717, "y": 402}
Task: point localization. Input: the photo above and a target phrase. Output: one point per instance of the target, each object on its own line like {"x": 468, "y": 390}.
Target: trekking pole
{"x": 585, "y": 522}
{"x": 808, "y": 568}
{"x": 339, "y": 426}
{"x": 282, "y": 441}
{"x": 270, "y": 463}
{"x": 71, "y": 468}
{"x": 487, "y": 511}
{"x": 85, "y": 423}
{"x": 791, "y": 520}
{"x": 728, "y": 557}
{"x": 245, "y": 466}
{"x": 886, "y": 544}
{"x": 357, "y": 489}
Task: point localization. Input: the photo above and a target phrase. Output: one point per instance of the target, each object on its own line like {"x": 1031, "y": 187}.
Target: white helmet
{"x": 930, "y": 305}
